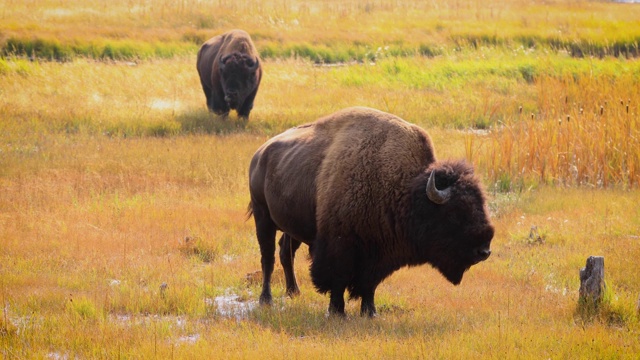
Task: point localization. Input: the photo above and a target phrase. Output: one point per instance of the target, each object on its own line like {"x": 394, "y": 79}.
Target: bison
{"x": 230, "y": 72}
{"x": 364, "y": 190}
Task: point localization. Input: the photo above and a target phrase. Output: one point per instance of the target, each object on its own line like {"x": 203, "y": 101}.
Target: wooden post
{"x": 592, "y": 281}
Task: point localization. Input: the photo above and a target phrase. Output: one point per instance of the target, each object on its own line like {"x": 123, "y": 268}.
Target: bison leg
{"x": 247, "y": 106}
{"x": 367, "y": 306}
{"x": 244, "y": 111}
{"x": 216, "y": 103}
{"x": 288, "y": 247}
{"x": 336, "y": 302}
{"x": 208, "y": 94}
{"x": 332, "y": 270}
{"x": 266, "y": 233}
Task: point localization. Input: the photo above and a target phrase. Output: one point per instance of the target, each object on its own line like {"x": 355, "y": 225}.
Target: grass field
{"x": 123, "y": 230}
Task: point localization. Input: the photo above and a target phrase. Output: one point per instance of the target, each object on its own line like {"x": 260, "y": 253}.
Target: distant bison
{"x": 364, "y": 190}
{"x": 230, "y": 72}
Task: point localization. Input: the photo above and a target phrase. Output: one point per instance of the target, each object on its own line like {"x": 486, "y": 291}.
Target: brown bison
{"x": 230, "y": 72}
{"x": 364, "y": 190}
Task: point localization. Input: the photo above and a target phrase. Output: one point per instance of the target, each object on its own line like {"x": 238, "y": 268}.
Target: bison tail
{"x": 249, "y": 211}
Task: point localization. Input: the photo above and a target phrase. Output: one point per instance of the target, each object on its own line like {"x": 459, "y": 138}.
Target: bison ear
{"x": 437, "y": 196}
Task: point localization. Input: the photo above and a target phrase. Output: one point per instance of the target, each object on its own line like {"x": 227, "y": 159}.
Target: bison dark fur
{"x": 230, "y": 73}
{"x": 364, "y": 190}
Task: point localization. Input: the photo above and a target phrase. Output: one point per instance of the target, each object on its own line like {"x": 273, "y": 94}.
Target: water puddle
{"x": 232, "y": 306}
{"x": 129, "y": 320}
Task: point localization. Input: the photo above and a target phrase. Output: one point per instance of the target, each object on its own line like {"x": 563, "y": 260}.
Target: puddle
{"x": 231, "y": 306}
{"x": 128, "y": 320}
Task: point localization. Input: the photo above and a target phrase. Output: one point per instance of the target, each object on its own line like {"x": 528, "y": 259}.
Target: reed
{"x": 584, "y": 133}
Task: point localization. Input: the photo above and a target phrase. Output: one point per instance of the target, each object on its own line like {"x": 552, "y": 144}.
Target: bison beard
{"x": 363, "y": 189}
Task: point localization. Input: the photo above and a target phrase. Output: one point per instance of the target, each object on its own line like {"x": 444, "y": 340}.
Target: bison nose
{"x": 483, "y": 253}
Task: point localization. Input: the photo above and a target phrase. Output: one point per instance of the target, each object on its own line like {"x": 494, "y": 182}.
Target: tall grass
{"x": 584, "y": 133}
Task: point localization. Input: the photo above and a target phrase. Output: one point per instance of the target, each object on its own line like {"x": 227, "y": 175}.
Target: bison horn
{"x": 437, "y": 196}
{"x": 224, "y": 59}
{"x": 252, "y": 64}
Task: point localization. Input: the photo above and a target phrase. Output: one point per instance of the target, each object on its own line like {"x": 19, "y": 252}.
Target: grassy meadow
{"x": 123, "y": 230}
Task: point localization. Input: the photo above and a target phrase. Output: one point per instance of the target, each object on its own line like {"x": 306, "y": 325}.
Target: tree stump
{"x": 592, "y": 281}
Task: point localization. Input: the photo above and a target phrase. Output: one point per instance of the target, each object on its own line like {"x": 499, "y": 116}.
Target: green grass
{"x": 101, "y": 49}
{"x": 318, "y": 31}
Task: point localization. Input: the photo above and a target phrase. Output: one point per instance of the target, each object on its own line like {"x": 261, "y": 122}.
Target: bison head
{"x": 450, "y": 225}
{"x": 238, "y": 73}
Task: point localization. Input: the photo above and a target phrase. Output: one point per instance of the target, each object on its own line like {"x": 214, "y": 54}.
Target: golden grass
{"x": 123, "y": 202}
{"x": 88, "y": 242}
{"x": 585, "y": 132}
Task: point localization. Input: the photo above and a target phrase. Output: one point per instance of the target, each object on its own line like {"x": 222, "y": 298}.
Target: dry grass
{"x": 92, "y": 232}
{"x": 584, "y": 133}
{"x": 123, "y": 202}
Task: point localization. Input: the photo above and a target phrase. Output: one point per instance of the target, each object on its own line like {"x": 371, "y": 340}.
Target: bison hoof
{"x": 333, "y": 312}
{"x": 293, "y": 292}
{"x": 369, "y": 314}
{"x": 336, "y": 315}
{"x": 265, "y": 300}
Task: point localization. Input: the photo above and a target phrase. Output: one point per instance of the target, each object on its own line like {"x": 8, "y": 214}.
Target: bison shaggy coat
{"x": 230, "y": 72}
{"x": 364, "y": 190}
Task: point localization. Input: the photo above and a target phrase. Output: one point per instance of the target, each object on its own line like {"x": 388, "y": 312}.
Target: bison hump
{"x": 367, "y": 171}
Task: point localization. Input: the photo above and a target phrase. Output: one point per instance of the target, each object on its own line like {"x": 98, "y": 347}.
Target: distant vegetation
{"x": 320, "y": 31}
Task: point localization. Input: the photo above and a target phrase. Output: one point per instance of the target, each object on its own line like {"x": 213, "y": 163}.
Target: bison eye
{"x": 249, "y": 62}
